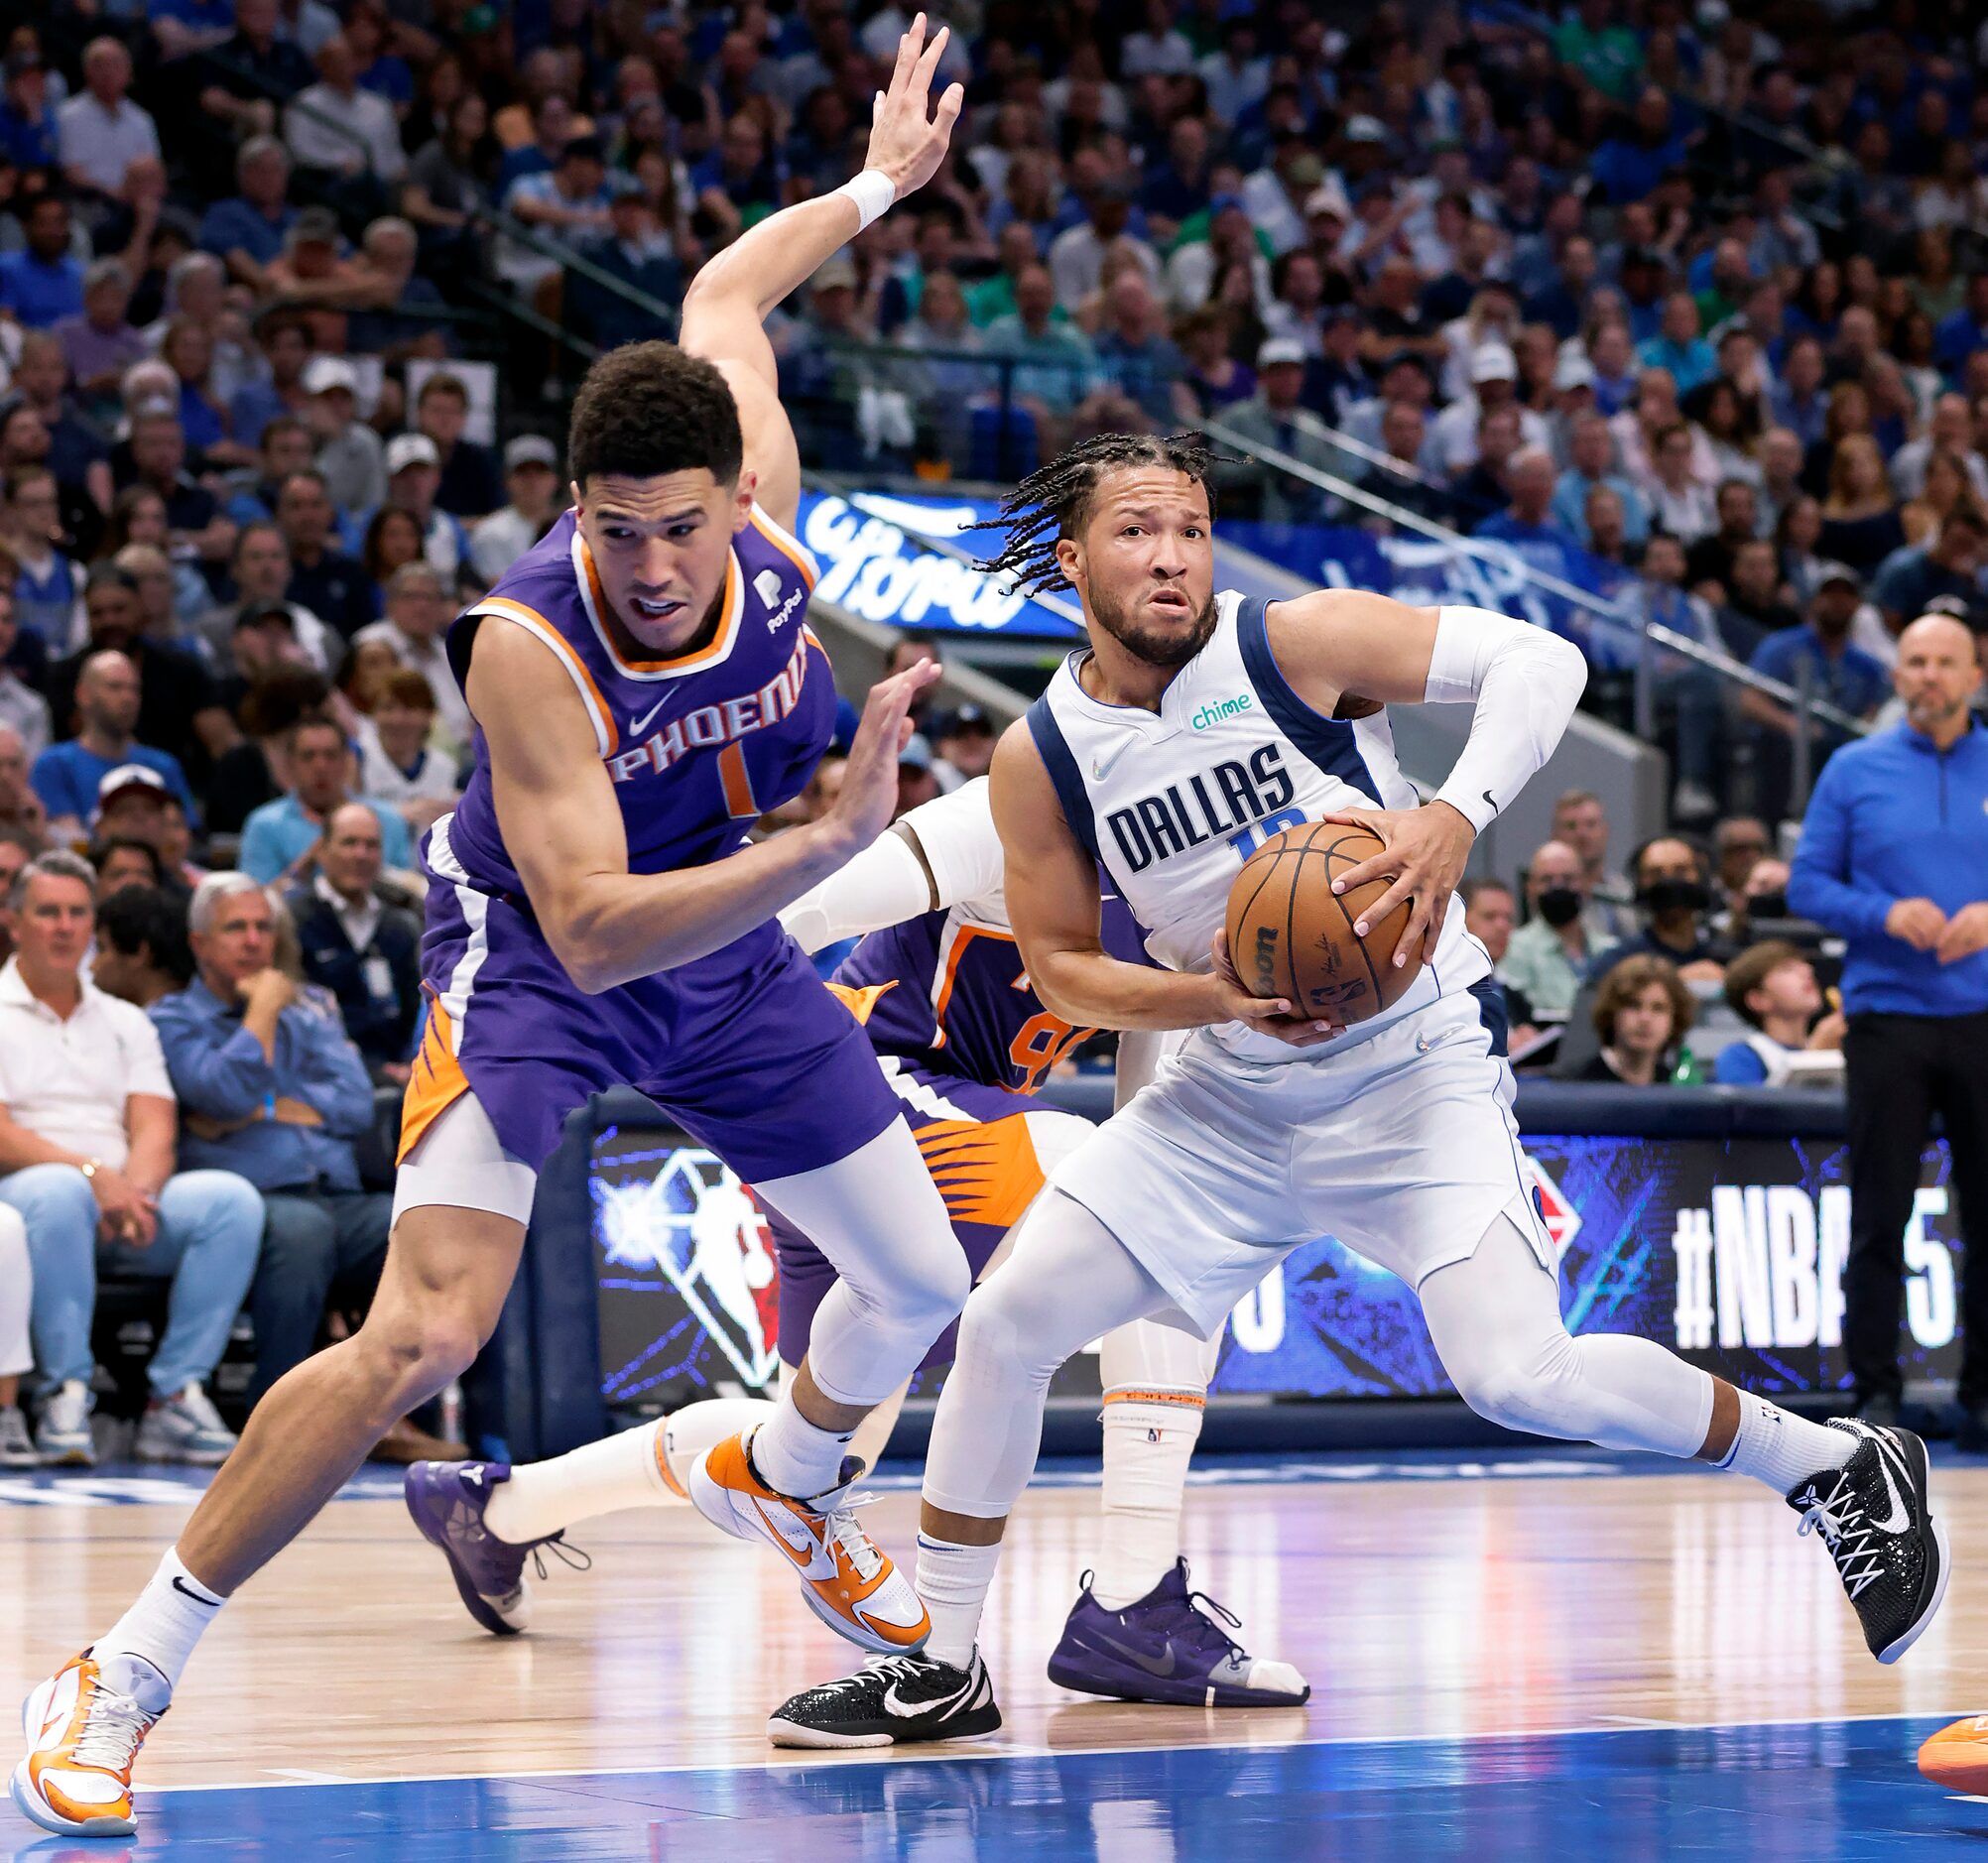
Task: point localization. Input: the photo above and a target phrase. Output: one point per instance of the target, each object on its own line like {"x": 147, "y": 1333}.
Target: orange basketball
{"x": 1292, "y": 936}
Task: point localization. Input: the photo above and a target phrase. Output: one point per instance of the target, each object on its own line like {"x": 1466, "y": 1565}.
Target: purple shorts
{"x": 976, "y": 1145}
{"x": 745, "y": 1049}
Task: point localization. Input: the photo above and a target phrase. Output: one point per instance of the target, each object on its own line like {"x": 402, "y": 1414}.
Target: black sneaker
{"x": 891, "y": 1702}
{"x": 1875, "y": 1514}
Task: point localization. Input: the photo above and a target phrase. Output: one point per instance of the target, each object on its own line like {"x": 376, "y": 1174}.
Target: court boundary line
{"x": 276, "y": 1778}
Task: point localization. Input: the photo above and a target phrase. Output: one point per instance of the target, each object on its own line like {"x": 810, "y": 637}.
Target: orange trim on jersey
{"x": 436, "y": 1084}
{"x": 950, "y": 974}
{"x": 861, "y": 1003}
{"x": 557, "y": 642}
{"x": 785, "y": 544}
{"x": 1187, "y": 1400}
{"x": 720, "y": 645}
{"x": 986, "y": 1170}
{"x": 737, "y": 781}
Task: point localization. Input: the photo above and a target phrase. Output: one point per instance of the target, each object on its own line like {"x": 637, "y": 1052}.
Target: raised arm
{"x": 560, "y": 819}
{"x": 1053, "y": 908}
{"x": 725, "y": 309}
{"x": 1339, "y": 645}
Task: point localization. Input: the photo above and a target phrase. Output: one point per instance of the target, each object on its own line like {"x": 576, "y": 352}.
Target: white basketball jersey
{"x": 1171, "y": 802}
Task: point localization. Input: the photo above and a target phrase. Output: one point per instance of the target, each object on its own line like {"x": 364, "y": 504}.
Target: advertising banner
{"x": 1728, "y": 1251}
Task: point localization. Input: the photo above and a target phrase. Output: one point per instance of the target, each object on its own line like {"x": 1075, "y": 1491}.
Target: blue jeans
{"x": 210, "y": 1230}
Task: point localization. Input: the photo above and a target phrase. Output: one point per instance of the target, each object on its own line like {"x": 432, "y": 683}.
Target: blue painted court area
{"x": 1805, "y": 1792}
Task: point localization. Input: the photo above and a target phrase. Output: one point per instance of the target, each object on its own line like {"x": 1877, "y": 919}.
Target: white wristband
{"x": 873, "y": 192}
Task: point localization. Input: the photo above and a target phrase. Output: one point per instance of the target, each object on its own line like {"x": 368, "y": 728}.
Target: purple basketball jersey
{"x": 699, "y": 746}
{"x": 947, "y": 992}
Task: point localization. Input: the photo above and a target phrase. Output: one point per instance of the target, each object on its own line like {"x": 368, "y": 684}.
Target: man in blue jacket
{"x": 1894, "y": 856}
{"x": 271, "y": 1088}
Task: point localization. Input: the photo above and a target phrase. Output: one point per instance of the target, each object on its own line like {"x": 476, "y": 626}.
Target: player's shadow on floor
{"x": 1104, "y": 1726}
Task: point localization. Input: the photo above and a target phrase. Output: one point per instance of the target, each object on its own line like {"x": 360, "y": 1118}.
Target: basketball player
{"x": 645, "y": 686}
{"x": 965, "y": 1042}
{"x": 1192, "y": 726}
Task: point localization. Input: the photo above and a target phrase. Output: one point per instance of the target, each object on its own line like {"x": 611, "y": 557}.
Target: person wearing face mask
{"x": 1550, "y": 953}
{"x": 1641, "y": 1013}
{"x": 1772, "y": 988}
{"x": 1673, "y": 899}
{"x": 1894, "y": 859}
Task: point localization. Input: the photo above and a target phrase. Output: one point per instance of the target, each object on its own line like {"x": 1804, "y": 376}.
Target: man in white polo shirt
{"x": 87, "y": 1128}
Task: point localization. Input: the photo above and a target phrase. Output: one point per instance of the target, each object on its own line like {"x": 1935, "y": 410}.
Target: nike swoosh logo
{"x": 186, "y": 1590}
{"x": 1101, "y": 767}
{"x": 907, "y": 1710}
{"x": 814, "y": 1560}
{"x": 641, "y": 724}
{"x": 1146, "y": 1663}
{"x": 1898, "y": 1518}
{"x": 1491, "y": 799}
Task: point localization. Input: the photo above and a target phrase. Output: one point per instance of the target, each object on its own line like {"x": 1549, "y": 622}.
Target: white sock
{"x": 796, "y": 1458}
{"x": 1778, "y": 1447}
{"x": 544, "y": 1498}
{"x": 953, "y": 1582}
{"x": 142, "y": 1653}
{"x": 1149, "y": 1439}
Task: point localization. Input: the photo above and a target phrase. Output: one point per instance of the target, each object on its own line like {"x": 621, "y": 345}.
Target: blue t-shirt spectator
{"x": 30, "y": 142}
{"x": 41, "y": 292}
{"x": 65, "y": 776}
{"x": 1739, "y": 1065}
{"x": 219, "y": 1071}
{"x": 236, "y": 226}
{"x": 278, "y": 832}
{"x": 1851, "y": 680}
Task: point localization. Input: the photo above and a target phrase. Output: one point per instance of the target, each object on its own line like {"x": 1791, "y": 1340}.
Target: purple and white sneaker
{"x": 447, "y": 1501}
{"x": 1164, "y": 1648}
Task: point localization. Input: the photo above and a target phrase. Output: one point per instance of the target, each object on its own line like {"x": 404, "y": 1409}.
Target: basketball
{"x": 1292, "y": 936}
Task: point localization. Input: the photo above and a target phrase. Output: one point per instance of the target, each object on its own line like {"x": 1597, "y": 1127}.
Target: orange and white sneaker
{"x": 847, "y": 1579}
{"x": 83, "y": 1737}
{"x": 1958, "y": 1756}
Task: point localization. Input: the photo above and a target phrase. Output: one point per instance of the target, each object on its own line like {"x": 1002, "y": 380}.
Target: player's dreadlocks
{"x": 1054, "y": 501}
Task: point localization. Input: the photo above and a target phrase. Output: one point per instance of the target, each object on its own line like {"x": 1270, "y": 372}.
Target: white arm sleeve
{"x": 883, "y": 886}
{"x": 1526, "y": 683}
{"x": 886, "y": 883}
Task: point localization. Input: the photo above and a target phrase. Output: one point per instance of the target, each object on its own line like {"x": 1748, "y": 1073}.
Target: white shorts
{"x": 459, "y": 1161}
{"x": 1403, "y": 1147}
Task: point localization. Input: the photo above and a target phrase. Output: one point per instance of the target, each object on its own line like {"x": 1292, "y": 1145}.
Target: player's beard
{"x": 1154, "y": 647}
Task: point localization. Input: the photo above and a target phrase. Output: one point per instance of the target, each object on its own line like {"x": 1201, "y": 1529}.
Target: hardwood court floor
{"x": 1552, "y": 1667}
{"x": 1446, "y": 1609}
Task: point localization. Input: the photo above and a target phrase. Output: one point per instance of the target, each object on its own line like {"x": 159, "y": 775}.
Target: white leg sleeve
{"x": 1496, "y": 1323}
{"x": 17, "y": 1295}
{"x": 880, "y": 1220}
{"x": 1068, "y": 1281}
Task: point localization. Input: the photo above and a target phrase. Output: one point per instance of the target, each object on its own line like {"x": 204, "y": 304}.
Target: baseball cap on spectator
{"x": 314, "y": 226}
{"x": 328, "y": 375}
{"x": 1328, "y": 197}
{"x": 968, "y": 720}
{"x": 1225, "y": 203}
{"x": 1307, "y": 171}
{"x": 584, "y": 149}
{"x": 1644, "y": 256}
{"x": 1410, "y": 359}
{"x": 126, "y": 777}
{"x": 916, "y": 753}
{"x": 1828, "y": 572}
{"x": 1365, "y": 129}
{"x": 255, "y": 614}
{"x": 531, "y": 450}
{"x": 835, "y": 274}
{"x": 1573, "y": 371}
{"x": 1275, "y": 349}
{"x": 411, "y": 449}
{"x": 1493, "y": 362}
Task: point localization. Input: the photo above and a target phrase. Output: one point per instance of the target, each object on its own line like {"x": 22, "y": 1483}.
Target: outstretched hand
{"x": 907, "y": 141}
{"x": 869, "y": 795}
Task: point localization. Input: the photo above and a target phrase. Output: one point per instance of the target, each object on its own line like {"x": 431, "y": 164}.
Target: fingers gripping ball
{"x": 1291, "y": 935}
